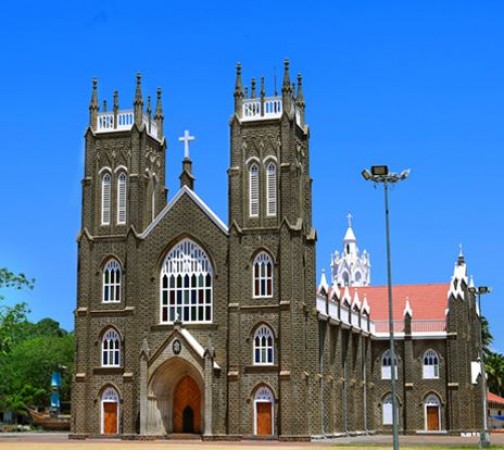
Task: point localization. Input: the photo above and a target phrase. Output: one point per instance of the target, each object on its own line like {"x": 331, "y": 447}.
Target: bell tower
{"x": 124, "y": 175}
{"x": 272, "y": 250}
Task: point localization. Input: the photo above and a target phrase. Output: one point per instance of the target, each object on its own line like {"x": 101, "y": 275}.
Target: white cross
{"x": 186, "y": 139}
{"x": 349, "y": 218}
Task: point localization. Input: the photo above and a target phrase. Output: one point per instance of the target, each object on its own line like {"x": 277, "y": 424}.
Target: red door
{"x": 187, "y": 407}
{"x": 263, "y": 417}
{"x": 109, "y": 418}
{"x": 432, "y": 418}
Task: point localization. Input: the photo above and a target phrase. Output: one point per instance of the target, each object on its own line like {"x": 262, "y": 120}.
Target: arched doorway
{"x": 263, "y": 412}
{"x": 187, "y": 406}
{"x": 432, "y": 408}
{"x": 110, "y": 411}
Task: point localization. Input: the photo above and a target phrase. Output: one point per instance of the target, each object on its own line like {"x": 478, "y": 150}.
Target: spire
{"x": 253, "y": 88}
{"x": 186, "y": 177}
{"x": 93, "y": 105}
{"x": 461, "y": 259}
{"x": 115, "y": 107}
{"x": 286, "y": 88}
{"x": 238, "y": 92}
{"x": 158, "y": 115}
{"x": 407, "y": 309}
{"x": 300, "y": 97}
{"x": 138, "y": 103}
{"x": 323, "y": 285}
{"x": 349, "y": 235}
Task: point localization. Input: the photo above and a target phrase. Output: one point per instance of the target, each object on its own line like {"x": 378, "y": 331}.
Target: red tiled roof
{"x": 491, "y": 397}
{"x": 427, "y": 301}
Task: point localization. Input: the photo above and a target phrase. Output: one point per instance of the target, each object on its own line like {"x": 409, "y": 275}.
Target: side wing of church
{"x": 185, "y": 324}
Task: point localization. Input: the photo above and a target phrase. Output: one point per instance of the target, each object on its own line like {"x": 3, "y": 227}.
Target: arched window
{"x": 186, "y": 284}
{"x": 271, "y": 189}
{"x": 112, "y": 282}
{"x": 430, "y": 364}
{"x": 111, "y": 349}
{"x": 387, "y": 418}
{"x": 264, "y": 412}
{"x": 105, "y": 199}
{"x": 254, "y": 191}
{"x": 110, "y": 412}
{"x": 263, "y": 346}
{"x": 263, "y": 275}
{"x": 121, "y": 198}
{"x": 386, "y": 366}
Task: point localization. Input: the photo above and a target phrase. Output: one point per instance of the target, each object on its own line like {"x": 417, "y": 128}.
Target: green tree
{"x": 494, "y": 367}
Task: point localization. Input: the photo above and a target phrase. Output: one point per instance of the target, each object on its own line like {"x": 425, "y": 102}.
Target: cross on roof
{"x": 349, "y": 217}
{"x": 186, "y": 139}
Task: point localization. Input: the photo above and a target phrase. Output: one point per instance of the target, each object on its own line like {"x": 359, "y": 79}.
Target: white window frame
{"x": 387, "y": 410}
{"x": 386, "y": 366}
{"x": 122, "y": 193}
{"x": 106, "y": 200}
{"x": 111, "y": 349}
{"x": 111, "y": 285}
{"x": 264, "y": 395}
{"x": 264, "y": 347}
{"x": 430, "y": 367}
{"x": 186, "y": 285}
{"x": 262, "y": 276}
{"x": 110, "y": 395}
{"x": 271, "y": 189}
{"x": 254, "y": 190}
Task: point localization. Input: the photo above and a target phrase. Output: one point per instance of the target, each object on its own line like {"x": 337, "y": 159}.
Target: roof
{"x": 494, "y": 398}
{"x": 427, "y": 301}
{"x": 349, "y": 235}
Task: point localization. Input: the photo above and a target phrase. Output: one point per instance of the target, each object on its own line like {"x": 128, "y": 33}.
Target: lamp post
{"x": 484, "y": 434}
{"x": 381, "y": 174}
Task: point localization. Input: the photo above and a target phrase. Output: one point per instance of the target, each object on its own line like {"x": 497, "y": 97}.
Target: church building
{"x": 186, "y": 323}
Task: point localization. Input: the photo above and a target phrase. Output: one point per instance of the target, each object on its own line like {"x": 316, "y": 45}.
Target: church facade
{"x": 186, "y": 324}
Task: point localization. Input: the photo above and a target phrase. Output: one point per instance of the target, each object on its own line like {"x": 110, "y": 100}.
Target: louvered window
{"x": 112, "y": 282}
{"x": 254, "y": 191}
{"x": 186, "y": 284}
{"x": 105, "y": 199}
{"x": 121, "y": 198}
{"x": 271, "y": 189}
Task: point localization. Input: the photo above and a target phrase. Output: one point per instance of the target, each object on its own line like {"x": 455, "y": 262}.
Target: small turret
{"x": 93, "y": 105}
{"x": 286, "y": 87}
{"x": 300, "y": 99}
{"x": 138, "y": 103}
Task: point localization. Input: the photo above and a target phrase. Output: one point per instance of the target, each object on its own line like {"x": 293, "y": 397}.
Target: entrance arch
{"x": 187, "y": 406}
{"x": 110, "y": 411}
{"x": 432, "y": 409}
{"x": 263, "y": 412}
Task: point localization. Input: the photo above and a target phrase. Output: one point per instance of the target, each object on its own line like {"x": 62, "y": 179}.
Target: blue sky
{"x": 410, "y": 84}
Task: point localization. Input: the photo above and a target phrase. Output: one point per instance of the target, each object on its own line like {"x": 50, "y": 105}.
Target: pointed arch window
{"x": 263, "y": 275}
{"x": 112, "y": 282}
{"x": 121, "y": 198}
{"x": 271, "y": 189}
{"x": 264, "y": 346}
{"x": 386, "y": 366}
{"x": 186, "y": 284}
{"x": 111, "y": 349}
{"x": 254, "y": 191}
{"x": 387, "y": 418}
{"x": 106, "y": 182}
{"x": 430, "y": 365}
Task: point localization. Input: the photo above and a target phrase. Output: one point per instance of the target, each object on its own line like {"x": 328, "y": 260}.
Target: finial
{"x": 93, "y": 104}
{"x": 300, "y": 97}
{"x": 138, "y": 103}
{"x": 238, "y": 84}
{"x": 149, "y": 110}
{"x": 253, "y": 88}
{"x": 116, "y": 101}
{"x": 461, "y": 251}
{"x": 407, "y": 309}
{"x": 461, "y": 258}
{"x": 186, "y": 139}
{"x": 349, "y": 218}
{"x": 286, "y": 80}
{"x": 104, "y": 105}
{"x": 263, "y": 90}
{"x": 159, "y": 106}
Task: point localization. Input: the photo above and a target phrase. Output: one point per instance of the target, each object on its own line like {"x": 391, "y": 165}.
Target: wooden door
{"x": 432, "y": 418}
{"x": 263, "y": 417}
{"x": 187, "y": 407}
{"x": 109, "y": 418}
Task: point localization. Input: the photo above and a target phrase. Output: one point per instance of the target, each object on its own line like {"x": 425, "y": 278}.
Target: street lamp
{"x": 484, "y": 435}
{"x": 381, "y": 174}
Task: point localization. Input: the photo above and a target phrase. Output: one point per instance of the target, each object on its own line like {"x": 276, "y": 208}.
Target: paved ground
{"x": 59, "y": 441}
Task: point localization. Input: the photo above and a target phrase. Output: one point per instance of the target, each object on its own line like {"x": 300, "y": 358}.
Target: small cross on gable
{"x": 186, "y": 139}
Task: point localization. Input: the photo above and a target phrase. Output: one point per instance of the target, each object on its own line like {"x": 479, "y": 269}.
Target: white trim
{"x": 263, "y": 331}
{"x": 268, "y": 158}
{"x": 184, "y": 190}
{"x": 263, "y": 259}
{"x": 122, "y": 197}
{"x": 253, "y": 190}
{"x": 196, "y": 346}
{"x": 113, "y": 398}
{"x": 430, "y": 371}
{"x": 121, "y": 167}
{"x": 271, "y": 189}
{"x": 106, "y": 198}
{"x": 264, "y": 395}
{"x": 105, "y": 169}
{"x": 112, "y": 266}
{"x": 252, "y": 158}
{"x": 112, "y": 337}
{"x": 432, "y": 400}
